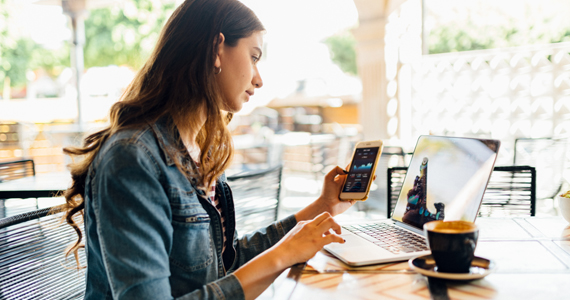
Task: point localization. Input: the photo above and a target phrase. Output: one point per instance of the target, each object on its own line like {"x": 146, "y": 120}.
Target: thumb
{"x": 334, "y": 172}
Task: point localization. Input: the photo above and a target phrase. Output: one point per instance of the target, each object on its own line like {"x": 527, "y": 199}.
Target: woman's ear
{"x": 220, "y": 41}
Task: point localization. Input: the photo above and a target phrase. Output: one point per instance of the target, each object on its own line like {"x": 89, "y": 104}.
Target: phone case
{"x": 363, "y": 199}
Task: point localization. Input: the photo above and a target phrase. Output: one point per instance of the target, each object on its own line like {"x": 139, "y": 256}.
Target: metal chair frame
{"x": 32, "y": 261}
{"x": 12, "y": 170}
{"x": 16, "y": 169}
{"x": 507, "y": 190}
{"x": 534, "y": 152}
{"x": 256, "y": 196}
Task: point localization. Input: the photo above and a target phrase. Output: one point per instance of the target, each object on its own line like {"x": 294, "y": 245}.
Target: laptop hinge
{"x": 409, "y": 227}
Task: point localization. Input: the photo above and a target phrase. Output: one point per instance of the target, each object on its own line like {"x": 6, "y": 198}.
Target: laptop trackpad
{"x": 356, "y": 249}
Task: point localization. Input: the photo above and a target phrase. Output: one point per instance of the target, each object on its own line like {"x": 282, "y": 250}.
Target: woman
{"x": 159, "y": 220}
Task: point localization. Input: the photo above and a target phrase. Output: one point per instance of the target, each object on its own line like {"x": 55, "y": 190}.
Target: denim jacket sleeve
{"x": 134, "y": 227}
{"x": 252, "y": 244}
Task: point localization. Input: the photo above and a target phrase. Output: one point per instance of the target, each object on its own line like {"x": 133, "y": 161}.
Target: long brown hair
{"x": 178, "y": 80}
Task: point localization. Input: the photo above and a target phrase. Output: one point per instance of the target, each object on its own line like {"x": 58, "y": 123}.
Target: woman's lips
{"x": 249, "y": 94}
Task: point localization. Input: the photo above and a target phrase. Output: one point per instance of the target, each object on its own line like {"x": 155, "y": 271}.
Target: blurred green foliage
{"x": 475, "y": 32}
{"x": 20, "y": 55}
{"x": 124, "y": 35}
{"x": 16, "y": 59}
{"x": 465, "y": 38}
{"x": 117, "y": 35}
{"x": 5, "y": 41}
{"x": 343, "y": 53}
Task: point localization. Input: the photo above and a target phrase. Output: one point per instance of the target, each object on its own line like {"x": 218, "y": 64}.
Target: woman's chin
{"x": 234, "y": 110}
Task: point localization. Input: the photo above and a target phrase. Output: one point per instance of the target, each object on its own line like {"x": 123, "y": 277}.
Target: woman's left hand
{"x": 329, "y": 198}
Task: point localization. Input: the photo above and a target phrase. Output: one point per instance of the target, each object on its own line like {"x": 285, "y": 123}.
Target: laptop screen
{"x": 446, "y": 179}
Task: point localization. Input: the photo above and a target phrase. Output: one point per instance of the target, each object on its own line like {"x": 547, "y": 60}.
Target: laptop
{"x": 446, "y": 180}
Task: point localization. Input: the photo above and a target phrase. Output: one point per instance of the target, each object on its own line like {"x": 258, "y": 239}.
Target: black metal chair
{"x": 32, "y": 259}
{"x": 256, "y": 198}
{"x": 12, "y": 170}
{"x": 16, "y": 169}
{"x": 548, "y": 156}
{"x": 511, "y": 191}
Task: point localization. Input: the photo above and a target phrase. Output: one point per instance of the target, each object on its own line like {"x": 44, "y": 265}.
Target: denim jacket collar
{"x": 168, "y": 139}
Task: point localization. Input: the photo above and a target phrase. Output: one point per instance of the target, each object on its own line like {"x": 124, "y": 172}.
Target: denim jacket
{"x": 149, "y": 235}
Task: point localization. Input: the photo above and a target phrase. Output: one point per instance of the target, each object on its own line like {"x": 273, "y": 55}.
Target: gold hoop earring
{"x": 217, "y": 70}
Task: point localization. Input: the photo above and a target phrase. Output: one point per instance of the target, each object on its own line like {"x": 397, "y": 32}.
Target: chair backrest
{"x": 548, "y": 156}
{"x": 256, "y": 198}
{"x": 32, "y": 261}
{"x": 511, "y": 191}
{"x": 16, "y": 169}
{"x": 394, "y": 180}
{"x": 392, "y": 156}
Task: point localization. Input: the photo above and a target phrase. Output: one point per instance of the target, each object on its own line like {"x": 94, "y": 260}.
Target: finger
{"x": 329, "y": 224}
{"x": 320, "y": 218}
{"x": 333, "y": 238}
{"x": 374, "y": 178}
{"x": 333, "y": 173}
{"x": 331, "y": 231}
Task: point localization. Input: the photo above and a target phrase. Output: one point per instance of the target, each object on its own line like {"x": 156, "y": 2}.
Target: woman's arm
{"x": 252, "y": 244}
{"x": 309, "y": 236}
{"x": 299, "y": 245}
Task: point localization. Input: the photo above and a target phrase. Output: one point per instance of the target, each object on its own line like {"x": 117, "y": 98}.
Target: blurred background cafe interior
{"x": 335, "y": 72}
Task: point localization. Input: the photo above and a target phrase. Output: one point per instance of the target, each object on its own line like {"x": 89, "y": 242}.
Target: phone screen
{"x": 360, "y": 171}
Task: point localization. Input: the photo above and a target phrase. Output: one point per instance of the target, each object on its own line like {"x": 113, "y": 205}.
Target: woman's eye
{"x": 255, "y": 59}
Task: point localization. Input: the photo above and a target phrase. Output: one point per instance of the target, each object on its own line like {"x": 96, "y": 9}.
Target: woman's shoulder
{"x": 131, "y": 138}
{"x": 129, "y": 145}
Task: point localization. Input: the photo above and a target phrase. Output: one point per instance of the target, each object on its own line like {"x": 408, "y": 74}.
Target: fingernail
{"x": 344, "y": 241}
{"x": 345, "y": 171}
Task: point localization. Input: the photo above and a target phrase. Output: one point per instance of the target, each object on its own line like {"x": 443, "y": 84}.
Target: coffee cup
{"x": 452, "y": 244}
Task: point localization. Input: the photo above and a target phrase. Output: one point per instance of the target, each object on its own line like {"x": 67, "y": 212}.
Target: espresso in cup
{"x": 452, "y": 244}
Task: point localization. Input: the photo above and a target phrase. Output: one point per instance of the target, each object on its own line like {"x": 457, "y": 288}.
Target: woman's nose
{"x": 257, "y": 81}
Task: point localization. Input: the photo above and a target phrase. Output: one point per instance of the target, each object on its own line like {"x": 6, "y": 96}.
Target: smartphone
{"x": 361, "y": 171}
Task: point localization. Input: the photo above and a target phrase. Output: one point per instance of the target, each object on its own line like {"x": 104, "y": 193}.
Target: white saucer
{"x": 425, "y": 265}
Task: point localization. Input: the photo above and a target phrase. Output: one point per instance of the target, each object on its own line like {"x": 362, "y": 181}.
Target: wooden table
{"x": 38, "y": 186}
{"x": 532, "y": 257}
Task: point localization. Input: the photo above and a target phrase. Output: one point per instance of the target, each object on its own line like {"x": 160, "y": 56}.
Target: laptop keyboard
{"x": 389, "y": 237}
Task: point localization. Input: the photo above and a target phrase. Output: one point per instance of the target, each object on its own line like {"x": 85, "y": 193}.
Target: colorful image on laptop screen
{"x": 446, "y": 180}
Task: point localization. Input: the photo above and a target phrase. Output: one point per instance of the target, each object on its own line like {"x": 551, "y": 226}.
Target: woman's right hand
{"x": 307, "y": 238}
{"x": 299, "y": 245}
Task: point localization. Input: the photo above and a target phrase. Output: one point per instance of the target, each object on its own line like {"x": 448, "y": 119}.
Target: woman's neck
{"x": 188, "y": 137}
{"x": 188, "y": 134}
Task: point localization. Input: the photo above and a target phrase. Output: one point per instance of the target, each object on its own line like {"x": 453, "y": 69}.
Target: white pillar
{"x": 372, "y": 58}
{"x": 372, "y": 71}
{"x": 76, "y": 10}
{"x": 371, "y": 61}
